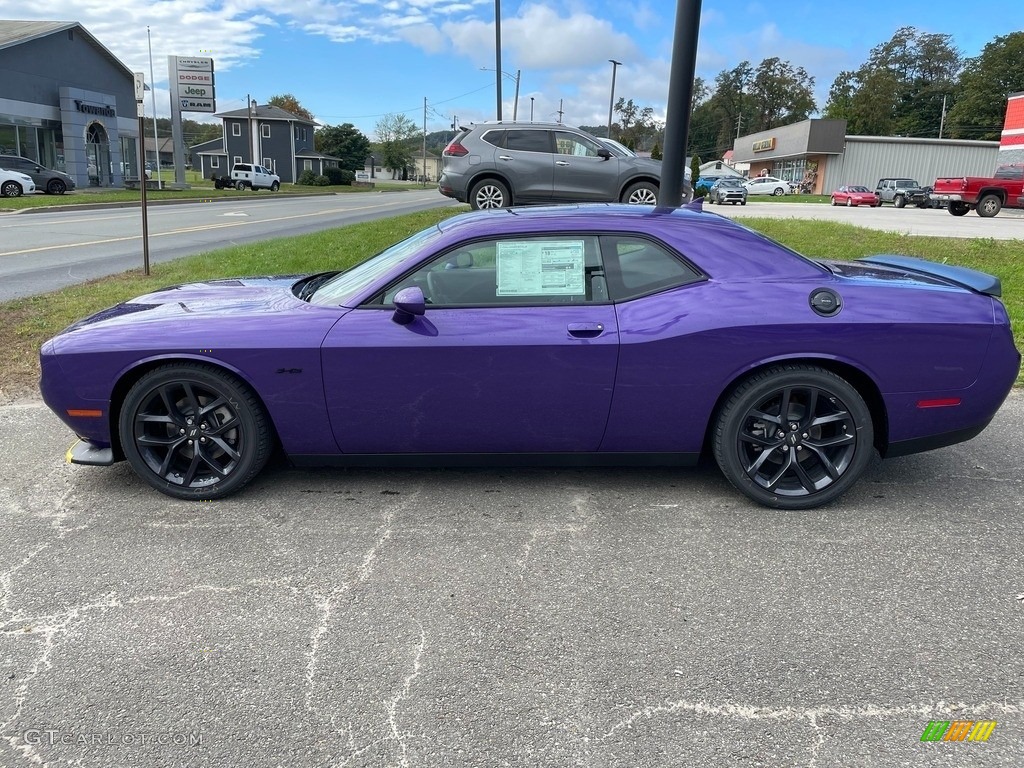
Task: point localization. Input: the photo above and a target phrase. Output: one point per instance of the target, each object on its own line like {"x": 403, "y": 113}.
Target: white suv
{"x": 255, "y": 177}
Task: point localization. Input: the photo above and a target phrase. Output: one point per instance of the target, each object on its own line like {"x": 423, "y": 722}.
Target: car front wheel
{"x": 193, "y": 431}
{"x": 10, "y": 189}
{"x": 641, "y": 193}
{"x": 794, "y": 437}
{"x": 849, "y": 202}
{"x": 899, "y": 201}
{"x": 274, "y": 186}
{"x": 56, "y": 187}
{"x": 489, "y": 193}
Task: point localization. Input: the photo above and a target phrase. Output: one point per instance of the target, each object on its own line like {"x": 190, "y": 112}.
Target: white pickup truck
{"x": 255, "y": 177}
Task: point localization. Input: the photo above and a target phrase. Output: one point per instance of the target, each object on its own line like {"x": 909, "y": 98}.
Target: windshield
{"x": 344, "y": 288}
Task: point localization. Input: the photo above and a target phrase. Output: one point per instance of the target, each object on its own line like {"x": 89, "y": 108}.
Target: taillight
{"x": 454, "y": 149}
{"x": 963, "y": 183}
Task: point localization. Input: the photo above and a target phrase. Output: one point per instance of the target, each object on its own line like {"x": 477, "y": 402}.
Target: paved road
{"x": 565, "y": 618}
{"x": 936, "y": 222}
{"x": 44, "y": 251}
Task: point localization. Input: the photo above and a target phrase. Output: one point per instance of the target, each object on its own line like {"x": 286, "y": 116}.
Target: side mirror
{"x": 606, "y": 154}
{"x": 409, "y": 303}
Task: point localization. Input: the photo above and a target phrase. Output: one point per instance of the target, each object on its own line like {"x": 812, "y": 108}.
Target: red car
{"x": 851, "y": 196}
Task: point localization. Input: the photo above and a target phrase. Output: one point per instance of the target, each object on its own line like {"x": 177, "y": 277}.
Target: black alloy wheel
{"x": 193, "y": 431}
{"x": 56, "y": 187}
{"x": 794, "y": 437}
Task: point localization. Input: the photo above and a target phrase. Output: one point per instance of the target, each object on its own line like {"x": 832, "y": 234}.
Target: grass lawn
{"x": 28, "y": 322}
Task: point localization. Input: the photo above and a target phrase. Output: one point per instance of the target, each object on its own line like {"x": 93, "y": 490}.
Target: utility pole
{"x": 942, "y": 121}
{"x": 560, "y": 111}
{"x": 424, "y": 141}
{"x": 739, "y": 121}
{"x": 497, "y": 52}
{"x": 248, "y": 106}
{"x": 515, "y": 104}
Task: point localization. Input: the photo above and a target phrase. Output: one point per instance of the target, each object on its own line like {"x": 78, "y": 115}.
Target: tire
{"x": 899, "y": 201}
{"x": 489, "y": 193}
{"x": 743, "y": 202}
{"x": 827, "y": 437}
{"x": 186, "y": 456}
{"x": 989, "y": 206}
{"x": 779, "y": 192}
{"x": 56, "y": 187}
{"x": 849, "y": 202}
{"x": 240, "y": 185}
{"x": 10, "y": 189}
{"x": 833, "y": 201}
{"x": 641, "y": 193}
{"x": 274, "y": 186}
{"x": 958, "y": 207}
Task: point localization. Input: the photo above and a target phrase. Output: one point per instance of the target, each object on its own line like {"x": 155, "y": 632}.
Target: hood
{"x": 245, "y": 295}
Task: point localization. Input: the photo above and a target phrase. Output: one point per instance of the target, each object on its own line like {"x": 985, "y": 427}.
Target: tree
{"x": 694, "y": 175}
{"x": 656, "y": 151}
{"x": 637, "y": 127}
{"x": 985, "y": 83}
{"x": 784, "y": 94}
{"x": 345, "y": 142}
{"x": 395, "y": 133}
{"x": 899, "y": 89}
{"x": 289, "y": 103}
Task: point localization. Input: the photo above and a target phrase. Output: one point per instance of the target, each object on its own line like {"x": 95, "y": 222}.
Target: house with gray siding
{"x": 265, "y": 135}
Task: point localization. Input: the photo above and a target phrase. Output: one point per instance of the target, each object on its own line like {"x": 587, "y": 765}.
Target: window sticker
{"x": 541, "y": 268}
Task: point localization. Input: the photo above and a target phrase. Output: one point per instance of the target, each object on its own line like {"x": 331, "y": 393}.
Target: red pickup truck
{"x": 986, "y": 196}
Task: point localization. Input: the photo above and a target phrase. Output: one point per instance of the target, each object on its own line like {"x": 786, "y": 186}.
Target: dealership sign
{"x": 200, "y": 64}
{"x": 195, "y": 91}
{"x": 764, "y": 145}
{"x": 194, "y": 78}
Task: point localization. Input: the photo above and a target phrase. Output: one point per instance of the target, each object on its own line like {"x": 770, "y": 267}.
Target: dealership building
{"x": 821, "y": 156}
{"x": 66, "y": 102}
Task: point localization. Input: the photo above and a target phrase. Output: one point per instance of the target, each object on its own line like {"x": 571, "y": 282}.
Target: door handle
{"x": 561, "y": 162}
{"x": 585, "y": 330}
{"x": 504, "y": 157}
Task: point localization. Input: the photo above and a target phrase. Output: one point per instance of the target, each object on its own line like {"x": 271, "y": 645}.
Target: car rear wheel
{"x": 958, "y": 208}
{"x": 989, "y": 206}
{"x": 239, "y": 185}
{"x": 641, "y": 193}
{"x": 779, "y": 192}
{"x": 193, "y": 431}
{"x": 794, "y": 437}
{"x": 10, "y": 189}
{"x": 56, "y": 187}
{"x": 489, "y": 193}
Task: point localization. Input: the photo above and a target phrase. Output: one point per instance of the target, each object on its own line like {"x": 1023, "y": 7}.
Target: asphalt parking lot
{"x": 508, "y": 618}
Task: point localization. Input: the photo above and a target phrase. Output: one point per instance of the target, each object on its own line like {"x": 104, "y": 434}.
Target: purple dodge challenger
{"x": 596, "y": 334}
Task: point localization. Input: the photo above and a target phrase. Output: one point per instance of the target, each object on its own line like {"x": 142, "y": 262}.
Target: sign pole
{"x": 140, "y": 89}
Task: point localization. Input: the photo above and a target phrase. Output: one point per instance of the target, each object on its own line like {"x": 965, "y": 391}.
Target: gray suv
{"x": 496, "y": 165}
{"x": 51, "y": 182}
{"x": 902, "y": 192}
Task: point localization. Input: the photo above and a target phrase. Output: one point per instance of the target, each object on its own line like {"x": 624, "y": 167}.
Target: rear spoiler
{"x": 980, "y": 282}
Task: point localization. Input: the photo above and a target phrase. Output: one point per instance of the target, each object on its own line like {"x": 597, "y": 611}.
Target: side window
{"x": 496, "y": 138}
{"x": 236, "y": 129}
{"x": 524, "y": 271}
{"x": 637, "y": 266}
{"x": 528, "y": 141}
{"x": 571, "y": 144}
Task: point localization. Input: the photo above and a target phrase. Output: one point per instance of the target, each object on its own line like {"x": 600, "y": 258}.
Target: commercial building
{"x": 819, "y": 155}
{"x": 66, "y": 102}
{"x": 1011, "y": 143}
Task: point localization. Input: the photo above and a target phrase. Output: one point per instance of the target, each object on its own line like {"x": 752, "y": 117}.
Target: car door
{"x": 580, "y": 174}
{"x": 526, "y": 159}
{"x": 516, "y": 352}
{"x": 22, "y": 165}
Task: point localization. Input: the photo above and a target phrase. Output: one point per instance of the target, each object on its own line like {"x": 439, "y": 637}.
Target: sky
{"x": 354, "y": 61}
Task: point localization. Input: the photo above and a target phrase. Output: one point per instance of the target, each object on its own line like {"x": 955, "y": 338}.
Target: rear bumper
{"x": 946, "y": 197}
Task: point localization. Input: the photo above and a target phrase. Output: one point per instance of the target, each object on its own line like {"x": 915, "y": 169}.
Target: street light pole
{"x": 497, "y": 52}
{"x": 611, "y": 99}
{"x": 531, "y": 109}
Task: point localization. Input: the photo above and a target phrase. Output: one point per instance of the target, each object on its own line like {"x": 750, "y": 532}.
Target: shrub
{"x": 321, "y": 181}
{"x": 656, "y": 152}
{"x": 306, "y": 178}
{"x": 334, "y": 175}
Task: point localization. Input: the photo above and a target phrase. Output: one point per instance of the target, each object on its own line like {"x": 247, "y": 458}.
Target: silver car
{"x": 497, "y": 165}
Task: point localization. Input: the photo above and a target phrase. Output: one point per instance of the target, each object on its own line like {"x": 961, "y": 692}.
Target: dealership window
{"x": 265, "y": 131}
{"x": 215, "y": 162}
{"x": 792, "y": 169}
{"x": 236, "y": 129}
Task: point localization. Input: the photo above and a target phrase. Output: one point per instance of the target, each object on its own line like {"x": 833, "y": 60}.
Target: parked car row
{"x": 42, "y": 178}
